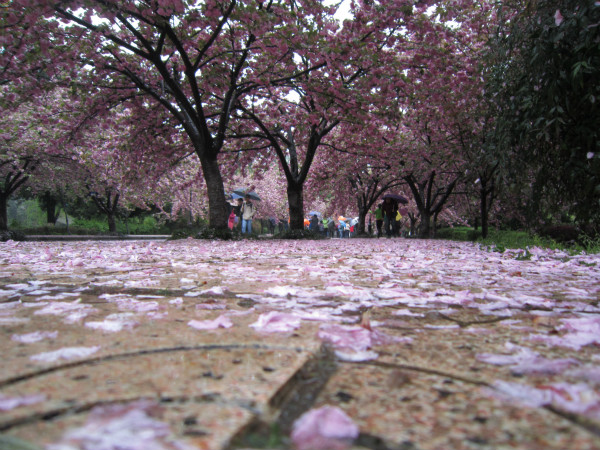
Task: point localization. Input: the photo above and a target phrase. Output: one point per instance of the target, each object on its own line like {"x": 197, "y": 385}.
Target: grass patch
{"x": 500, "y": 240}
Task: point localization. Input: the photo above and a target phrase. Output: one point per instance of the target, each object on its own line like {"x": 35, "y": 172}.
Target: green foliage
{"x": 11, "y": 235}
{"x": 205, "y": 232}
{"x": 94, "y": 226}
{"x": 500, "y": 240}
{"x": 590, "y": 244}
{"x": 458, "y": 234}
{"x": 262, "y": 436}
{"x": 300, "y": 234}
{"x": 25, "y": 214}
{"x": 543, "y": 76}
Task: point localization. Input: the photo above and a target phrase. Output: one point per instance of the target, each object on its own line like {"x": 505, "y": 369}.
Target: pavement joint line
{"x": 387, "y": 365}
{"x": 587, "y": 424}
{"x": 292, "y": 399}
{"x": 295, "y": 397}
{"x": 85, "y": 407}
{"x": 114, "y": 357}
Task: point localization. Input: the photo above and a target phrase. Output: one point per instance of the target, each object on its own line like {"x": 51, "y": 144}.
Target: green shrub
{"x": 457, "y": 234}
{"x": 205, "y": 232}
{"x": 300, "y": 234}
{"x": 11, "y": 236}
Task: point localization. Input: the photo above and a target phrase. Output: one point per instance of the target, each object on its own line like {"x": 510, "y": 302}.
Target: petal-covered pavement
{"x": 383, "y": 344}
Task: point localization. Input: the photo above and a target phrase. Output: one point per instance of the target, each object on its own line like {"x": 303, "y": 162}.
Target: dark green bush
{"x": 11, "y": 236}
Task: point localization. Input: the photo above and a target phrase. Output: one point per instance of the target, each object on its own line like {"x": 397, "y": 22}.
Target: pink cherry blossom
{"x": 276, "y": 322}
{"x": 8, "y": 403}
{"x": 65, "y": 353}
{"x": 35, "y": 336}
{"x": 325, "y": 428}
{"x": 132, "y": 426}
{"x": 558, "y": 18}
{"x": 223, "y": 321}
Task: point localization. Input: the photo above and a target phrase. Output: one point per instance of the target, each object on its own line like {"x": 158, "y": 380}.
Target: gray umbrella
{"x": 397, "y": 198}
{"x": 243, "y": 192}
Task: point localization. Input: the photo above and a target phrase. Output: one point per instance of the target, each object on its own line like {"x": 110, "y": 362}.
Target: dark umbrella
{"x": 243, "y": 192}
{"x": 397, "y": 198}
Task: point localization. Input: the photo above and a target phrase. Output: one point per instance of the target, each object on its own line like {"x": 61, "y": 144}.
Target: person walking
{"x": 390, "y": 208}
{"x": 238, "y": 213}
{"x": 331, "y": 227}
{"x": 247, "y": 215}
{"x": 314, "y": 224}
{"x": 379, "y": 219}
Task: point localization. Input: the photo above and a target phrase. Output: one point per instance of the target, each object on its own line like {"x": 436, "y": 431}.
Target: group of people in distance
{"x": 387, "y": 220}
{"x": 243, "y": 211}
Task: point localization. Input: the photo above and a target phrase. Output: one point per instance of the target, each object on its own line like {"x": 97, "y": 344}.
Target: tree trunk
{"x": 361, "y": 225}
{"x": 296, "y": 204}
{"x": 425, "y": 225}
{"x": 3, "y": 212}
{"x": 413, "y": 224}
{"x": 112, "y": 224}
{"x": 51, "y": 211}
{"x": 484, "y": 212}
{"x": 217, "y": 205}
{"x": 362, "y": 214}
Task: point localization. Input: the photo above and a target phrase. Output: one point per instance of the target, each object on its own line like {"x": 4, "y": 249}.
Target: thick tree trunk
{"x": 425, "y": 225}
{"x": 52, "y": 212}
{"x": 296, "y": 204}
{"x": 3, "y": 211}
{"x": 362, "y": 215}
{"x": 217, "y": 205}
{"x": 112, "y": 224}
{"x": 361, "y": 225}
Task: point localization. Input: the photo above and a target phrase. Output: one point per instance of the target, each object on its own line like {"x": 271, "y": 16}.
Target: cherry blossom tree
{"x": 194, "y": 62}
{"x": 329, "y": 106}
{"x": 28, "y": 129}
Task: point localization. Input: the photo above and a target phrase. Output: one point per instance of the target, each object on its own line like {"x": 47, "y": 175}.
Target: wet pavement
{"x": 215, "y": 345}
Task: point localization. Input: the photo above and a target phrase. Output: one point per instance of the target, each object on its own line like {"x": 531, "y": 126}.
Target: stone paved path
{"x": 214, "y": 345}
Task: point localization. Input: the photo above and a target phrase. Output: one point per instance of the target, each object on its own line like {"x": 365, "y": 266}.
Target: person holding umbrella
{"x": 247, "y": 215}
{"x": 390, "y": 208}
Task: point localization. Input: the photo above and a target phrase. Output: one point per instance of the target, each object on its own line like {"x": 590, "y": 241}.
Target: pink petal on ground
{"x": 274, "y": 321}
{"x": 570, "y": 340}
{"x": 122, "y": 427}
{"x": 281, "y": 291}
{"x": 65, "y": 353}
{"x": 113, "y": 323}
{"x": 36, "y": 336}
{"x": 325, "y": 428}
{"x": 543, "y": 366}
{"x": 527, "y": 395}
{"x": 586, "y": 373}
{"x": 211, "y": 306}
{"x": 130, "y": 304}
{"x": 356, "y": 355}
{"x": 220, "y": 322}
{"x": 349, "y": 338}
{"x": 8, "y": 403}
{"x": 577, "y": 398}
